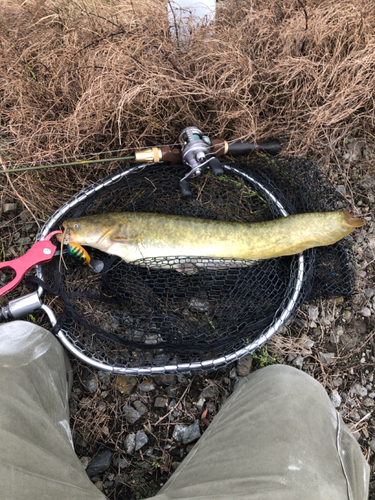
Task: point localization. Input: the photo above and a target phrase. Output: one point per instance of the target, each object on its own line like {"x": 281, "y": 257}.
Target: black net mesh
{"x": 147, "y": 314}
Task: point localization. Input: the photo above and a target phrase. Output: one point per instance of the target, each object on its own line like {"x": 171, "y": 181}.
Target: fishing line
{"x": 61, "y": 250}
{"x": 41, "y": 167}
{"x": 9, "y": 164}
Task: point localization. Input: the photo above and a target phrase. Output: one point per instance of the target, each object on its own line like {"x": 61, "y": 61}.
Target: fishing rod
{"x": 195, "y": 150}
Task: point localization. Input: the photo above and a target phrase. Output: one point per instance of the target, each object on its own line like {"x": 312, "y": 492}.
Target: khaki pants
{"x": 277, "y": 437}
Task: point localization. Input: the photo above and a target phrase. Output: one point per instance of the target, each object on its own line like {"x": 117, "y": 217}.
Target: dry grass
{"x": 87, "y": 76}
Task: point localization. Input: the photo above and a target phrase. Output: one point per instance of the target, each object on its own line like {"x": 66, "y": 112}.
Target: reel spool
{"x": 141, "y": 320}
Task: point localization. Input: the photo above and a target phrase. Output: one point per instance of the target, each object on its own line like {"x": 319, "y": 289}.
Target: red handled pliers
{"x": 41, "y": 252}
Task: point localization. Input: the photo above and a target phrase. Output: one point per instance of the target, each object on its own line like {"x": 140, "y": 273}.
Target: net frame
{"x": 289, "y": 307}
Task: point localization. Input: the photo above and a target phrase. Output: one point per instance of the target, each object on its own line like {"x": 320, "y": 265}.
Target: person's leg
{"x": 37, "y": 459}
{"x": 277, "y": 437}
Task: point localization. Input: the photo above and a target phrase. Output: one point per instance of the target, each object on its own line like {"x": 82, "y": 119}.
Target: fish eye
{"x": 76, "y": 225}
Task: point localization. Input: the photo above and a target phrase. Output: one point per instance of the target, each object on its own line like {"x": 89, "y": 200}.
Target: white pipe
{"x": 184, "y": 15}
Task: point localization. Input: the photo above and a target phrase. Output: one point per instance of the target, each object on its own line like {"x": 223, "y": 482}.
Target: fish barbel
{"x": 140, "y": 235}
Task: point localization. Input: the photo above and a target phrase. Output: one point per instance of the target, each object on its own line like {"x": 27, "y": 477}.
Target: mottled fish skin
{"x": 135, "y": 236}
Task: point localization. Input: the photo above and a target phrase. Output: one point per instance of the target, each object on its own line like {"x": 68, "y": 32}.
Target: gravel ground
{"x": 131, "y": 433}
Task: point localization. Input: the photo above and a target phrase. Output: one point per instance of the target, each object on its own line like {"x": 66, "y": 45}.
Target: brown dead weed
{"x": 86, "y": 76}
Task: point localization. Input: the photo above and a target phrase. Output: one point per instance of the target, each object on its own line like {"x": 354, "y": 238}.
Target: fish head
{"x": 84, "y": 231}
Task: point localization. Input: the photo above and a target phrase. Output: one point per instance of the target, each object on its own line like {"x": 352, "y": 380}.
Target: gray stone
{"x": 122, "y": 463}
{"x": 9, "y": 207}
{"x": 82, "y": 442}
{"x": 192, "y": 433}
{"x": 362, "y": 391}
{"x": 179, "y": 432}
{"x": 140, "y": 440}
{"x": 104, "y": 376}
{"x": 298, "y": 361}
{"x": 32, "y": 227}
{"x": 339, "y": 330}
{"x": 355, "y": 432}
{"x": 85, "y": 461}
{"x": 167, "y": 379}
{"x": 366, "y": 312}
{"x": 372, "y": 445}
{"x": 171, "y": 391}
{"x": 209, "y": 392}
{"x": 125, "y": 383}
{"x": 233, "y": 373}
{"x": 161, "y": 359}
{"x": 24, "y": 240}
{"x": 313, "y": 313}
{"x": 369, "y": 402}
{"x": 305, "y": 341}
{"x": 371, "y": 395}
{"x": 153, "y": 339}
{"x": 244, "y": 366}
{"x": 100, "y": 463}
{"x": 369, "y": 292}
{"x": 327, "y": 358}
{"x": 171, "y": 404}
{"x": 90, "y": 384}
{"x": 200, "y": 404}
{"x": 347, "y": 314}
{"x": 354, "y": 415}
{"x": 211, "y": 407}
{"x": 101, "y": 407}
{"x": 335, "y": 398}
{"x": 129, "y": 443}
{"x": 337, "y": 382}
{"x": 200, "y": 305}
{"x": 161, "y": 402}
{"x": 368, "y": 183}
{"x": 131, "y": 414}
{"x": 182, "y": 379}
{"x": 146, "y": 386}
{"x": 140, "y": 407}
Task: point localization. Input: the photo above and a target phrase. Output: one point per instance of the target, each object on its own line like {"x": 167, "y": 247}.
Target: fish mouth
{"x": 65, "y": 236}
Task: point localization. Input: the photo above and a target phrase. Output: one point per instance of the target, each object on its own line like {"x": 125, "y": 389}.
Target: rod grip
{"x": 240, "y": 148}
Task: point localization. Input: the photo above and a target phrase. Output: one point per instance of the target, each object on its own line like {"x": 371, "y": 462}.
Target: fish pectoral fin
{"x": 125, "y": 234}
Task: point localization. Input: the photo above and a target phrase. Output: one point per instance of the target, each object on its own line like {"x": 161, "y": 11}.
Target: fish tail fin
{"x": 352, "y": 221}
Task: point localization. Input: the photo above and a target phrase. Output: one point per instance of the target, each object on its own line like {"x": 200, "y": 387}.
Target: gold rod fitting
{"x": 148, "y": 155}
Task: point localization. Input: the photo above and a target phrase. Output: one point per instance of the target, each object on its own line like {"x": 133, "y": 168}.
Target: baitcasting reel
{"x": 196, "y": 150}
{"x": 199, "y": 153}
